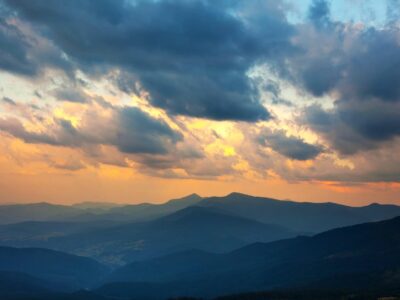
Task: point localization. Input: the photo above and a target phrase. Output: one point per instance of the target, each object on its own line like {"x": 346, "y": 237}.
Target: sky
{"x": 148, "y": 100}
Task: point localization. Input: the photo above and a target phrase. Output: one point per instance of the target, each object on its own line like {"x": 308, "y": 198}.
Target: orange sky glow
{"x": 306, "y": 111}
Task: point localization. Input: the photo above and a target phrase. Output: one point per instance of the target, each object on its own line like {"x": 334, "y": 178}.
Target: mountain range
{"x": 358, "y": 261}
{"x": 116, "y": 235}
{"x": 298, "y": 216}
{"x": 91, "y": 211}
{"x": 190, "y": 228}
{"x": 200, "y": 247}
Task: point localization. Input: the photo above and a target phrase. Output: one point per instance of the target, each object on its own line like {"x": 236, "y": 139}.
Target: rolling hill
{"x": 361, "y": 257}
{"x": 61, "y": 271}
{"x": 190, "y": 228}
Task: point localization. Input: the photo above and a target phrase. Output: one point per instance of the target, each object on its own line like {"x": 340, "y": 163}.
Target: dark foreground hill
{"x": 52, "y": 269}
{"x": 356, "y": 262}
{"x": 363, "y": 257}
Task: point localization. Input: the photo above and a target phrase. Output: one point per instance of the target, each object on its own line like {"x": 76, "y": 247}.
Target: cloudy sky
{"x": 144, "y": 100}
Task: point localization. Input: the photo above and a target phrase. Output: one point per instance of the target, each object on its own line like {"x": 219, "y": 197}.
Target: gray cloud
{"x": 69, "y": 165}
{"x": 290, "y": 147}
{"x": 130, "y": 130}
{"x": 70, "y": 94}
{"x": 355, "y": 62}
{"x": 358, "y": 66}
{"x": 352, "y": 127}
{"x": 140, "y": 133}
{"x": 22, "y": 53}
{"x": 9, "y": 101}
{"x": 14, "y": 127}
{"x": 191, "y": 55}
{"x": 14, "y": 51}
{"x": 193, "y": 58}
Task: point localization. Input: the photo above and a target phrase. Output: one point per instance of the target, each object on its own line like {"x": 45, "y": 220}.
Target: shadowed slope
{"x": 360, "y": 257}
{"x": 64, "y": 271}
{"x": 190, "y": 228}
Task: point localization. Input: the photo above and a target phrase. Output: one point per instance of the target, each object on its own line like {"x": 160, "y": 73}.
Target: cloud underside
{"x": 190, "y": 55}
{"x": 128, "y": 129}
{"x": 291, "y": 147}
{"x": 196, "y": 59}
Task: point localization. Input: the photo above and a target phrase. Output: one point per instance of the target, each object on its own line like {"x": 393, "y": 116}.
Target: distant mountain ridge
{"x": 300, "y": 216}
{"x": 92, "y": 211}
{"x": 35, "y": 212}
{"x": 122, "y": 234}
{"x": 147, "y": 211}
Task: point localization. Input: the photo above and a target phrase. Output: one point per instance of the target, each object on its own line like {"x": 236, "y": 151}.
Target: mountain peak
{"x": 237, "y": 194}
{"x": 190, "y": 199}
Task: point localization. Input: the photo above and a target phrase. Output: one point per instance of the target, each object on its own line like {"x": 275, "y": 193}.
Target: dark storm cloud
{"x": 193, "y": 58}
{"x": 374, "y": 66}
{"x": 358, "y": 63}
{"x": 191, "y": 55}
{"x": 21, "y": 53}
{"x": 290, "y": 147}
{"x": 140, "y": 133}
{"x": 134, "y": 132}
{"x": 352, "y": 127}
{"x": 358, "y": 66}
{"x": 367, "y": 67}
{"x": 14, "y": 51}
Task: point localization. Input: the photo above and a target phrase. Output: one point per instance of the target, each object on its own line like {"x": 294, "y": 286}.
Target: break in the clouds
{"x": 188, "y": 88}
